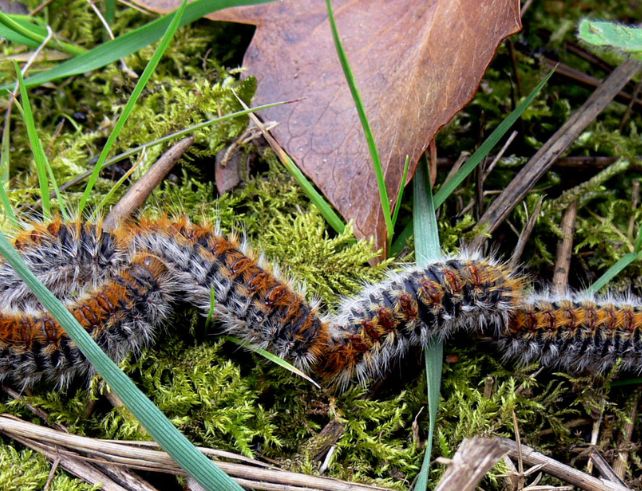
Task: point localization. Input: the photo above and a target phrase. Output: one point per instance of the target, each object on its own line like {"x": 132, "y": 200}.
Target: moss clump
{"x": 27, "y": 470}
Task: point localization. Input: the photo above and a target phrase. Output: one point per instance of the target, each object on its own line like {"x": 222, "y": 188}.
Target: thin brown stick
{"x": 520, "y": 460}
{"x": 74, "y": 466}
{"x": 558, "y": 143}
{"x": 526, "y": 6}
{"x": 138, "y": 457}
{"x": 526, "y": 233}
{"x": 603, "y": 467}
{"x": 565, "y": 250}
{"x": 561, "y": 471}
{"x": 586, "y": 55}
{"x": 52, "y": 473}
{"x": 587, "y": 80}
{"x": 629, "y": 109}
{"x": 454, "y": 166}
{"x": 621, "y": 462}
{"x": 473, "y": 459}
{"x": 499, "y": 155}
{"x": 138, "y": 193}
{"x": 574, "y": 162}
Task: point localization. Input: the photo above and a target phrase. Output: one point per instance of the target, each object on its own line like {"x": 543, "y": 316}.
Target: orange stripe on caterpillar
{"x": 69, "y": 258}
{"x": 575, "y": 333}
{"x": 122, "y": 315}
{"x": 411, "y": 308}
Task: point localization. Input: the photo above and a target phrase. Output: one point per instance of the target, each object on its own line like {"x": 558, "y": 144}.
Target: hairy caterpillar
{"x": 121, "y": 314}
{"x": 122, "y": 285}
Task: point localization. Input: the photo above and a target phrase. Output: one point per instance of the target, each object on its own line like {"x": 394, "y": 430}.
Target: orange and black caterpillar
{"x": 122, "y": 285}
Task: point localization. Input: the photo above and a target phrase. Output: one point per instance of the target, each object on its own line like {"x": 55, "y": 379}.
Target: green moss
{"x": 27, "y": 470}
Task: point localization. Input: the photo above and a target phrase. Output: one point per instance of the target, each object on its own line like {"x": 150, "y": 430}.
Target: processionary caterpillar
{"x": 122, "y": 285}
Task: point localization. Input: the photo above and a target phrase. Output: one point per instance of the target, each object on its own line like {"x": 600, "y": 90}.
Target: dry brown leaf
{"x": 416, "y": 64}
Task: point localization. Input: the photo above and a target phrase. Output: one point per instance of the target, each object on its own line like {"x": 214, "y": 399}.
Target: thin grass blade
{"x": 427, "y": 249}
{"x": 326, "y": 210}
{"x": 358, "y": 102}
{"x": 277, "y": 360}
{"x": 210, "y": 311}
{"x": 12, "y": 35}
{"x": 124, "y": 45}
{"x": 485, "y": 148}
{"x": 5, "y": 162}
{"x": 39, "y": 156}
{"x": 613, "y": 271}
{"x": 35, "y": 34}
{"x": 131, "y": 102}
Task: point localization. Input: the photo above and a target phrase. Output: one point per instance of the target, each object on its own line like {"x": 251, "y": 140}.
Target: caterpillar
{"x": 122, "y": 285}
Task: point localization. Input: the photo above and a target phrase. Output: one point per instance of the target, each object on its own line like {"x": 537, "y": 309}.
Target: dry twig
{"x": 138, "y": 193}
{"x": 558, "y": 143}
{"x": 526, "y": 233}
{"x": 559, "y": 470}
{"x": 621, "y": 463}
{"x": 139, "y": 455}
{"x": 603, "y": 467}
{"x": 565, "y": 250}
{"x": 473, "y": 459}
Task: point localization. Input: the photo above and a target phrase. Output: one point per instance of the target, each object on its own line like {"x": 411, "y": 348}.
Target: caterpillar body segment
{"x": 68, "y": 258}
{"x": 122, "y": 314}
{"x": 414, "y": 307}
{"x": 251, "y": 301}
{"x": 575, "y": 333}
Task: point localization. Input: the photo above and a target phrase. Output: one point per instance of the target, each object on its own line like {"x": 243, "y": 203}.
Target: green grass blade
{"x": 326, "y": 210}
{"x": 358, "y": 102}
{"x": 5, "y": 162}
{"x": 277, "y": 360}
{"x": 400, "y": 240}
{"x": 131, "y": 42}
{"x": 62, "y": 203}
{"x": 404, "y": 175}
{"x": 626, "y": 381}
{"x": 10, "y": 34}
{"x": 613, "y": 271}
{"x": 619, "y": 266}
{"x": 427, "y": 249}
{"x": 485, "y": 148}
{"x": 210, "y": 311}
{"x": 129, "y": 107}
{"x": 36, "y": 34}
{"x": 159, "y": 427}
{"x": 39, "y": 156}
